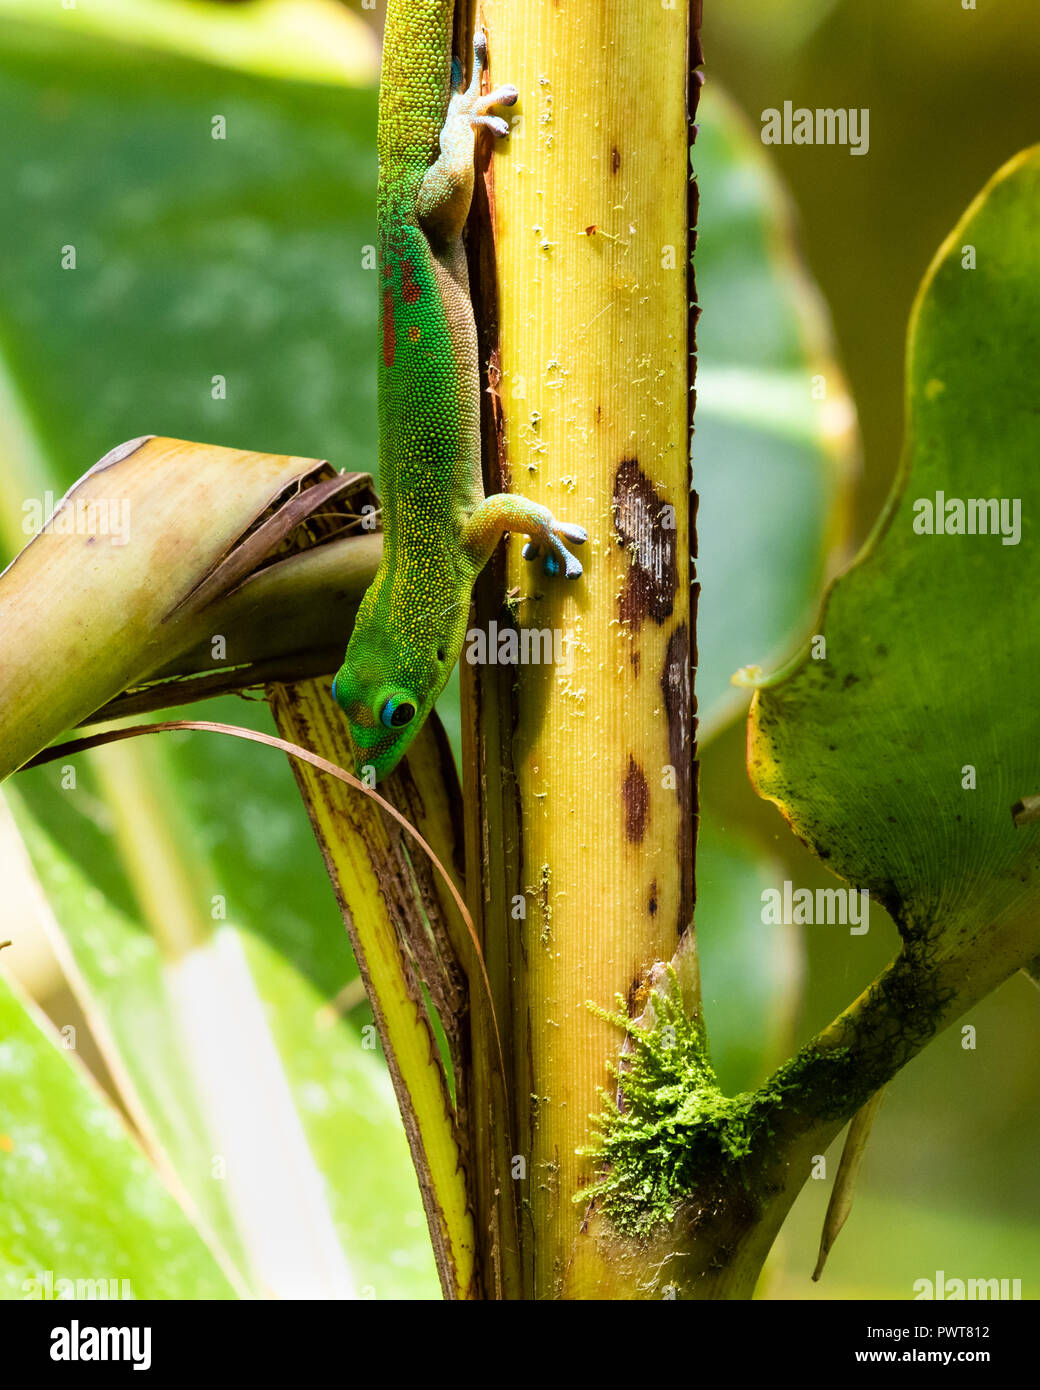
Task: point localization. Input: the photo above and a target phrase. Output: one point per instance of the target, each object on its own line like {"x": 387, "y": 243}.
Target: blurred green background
{"x": 950, "y": 1178}
{"x": 243, "y": 257}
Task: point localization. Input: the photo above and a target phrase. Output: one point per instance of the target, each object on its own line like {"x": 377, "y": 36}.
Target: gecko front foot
{"x": 507, "y": 512}
{"x": 557, "y": 555}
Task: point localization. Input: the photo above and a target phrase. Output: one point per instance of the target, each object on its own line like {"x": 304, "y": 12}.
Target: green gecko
{"x": 439, "y": 529}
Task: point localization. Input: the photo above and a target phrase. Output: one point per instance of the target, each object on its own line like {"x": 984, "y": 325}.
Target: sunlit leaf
{"x": 78, "y": 1200}
{"x": 248, "y": 1085}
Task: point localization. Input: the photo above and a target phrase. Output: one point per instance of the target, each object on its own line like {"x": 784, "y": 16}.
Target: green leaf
{"x": 195, "y": 258}
{"x": 67, "y": 1167}
{"x": 247, "y": 1086}
{"x": 899, "y": 756}
{"x": 771, "y": 463}
{"x": 348, "y": 1112}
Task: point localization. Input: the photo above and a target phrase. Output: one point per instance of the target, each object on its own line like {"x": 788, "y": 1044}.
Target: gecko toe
{"x": 477, "y": 103}
{"x": 501, "y": 96}
{"x": 495, "y": 124}
{"x": 506, "y": 95}
{"x": 557, "y": 558}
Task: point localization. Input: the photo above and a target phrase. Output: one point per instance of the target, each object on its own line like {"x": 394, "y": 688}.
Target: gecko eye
{"x": 397, "y": 712}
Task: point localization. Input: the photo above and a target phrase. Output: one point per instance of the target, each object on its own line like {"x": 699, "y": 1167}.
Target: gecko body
{"x": 438, "y": 527}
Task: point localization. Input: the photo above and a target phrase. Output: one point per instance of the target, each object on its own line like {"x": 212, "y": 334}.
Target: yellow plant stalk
{"x": 580, "y": 791}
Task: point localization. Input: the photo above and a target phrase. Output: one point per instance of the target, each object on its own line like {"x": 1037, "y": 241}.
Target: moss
{"x": 671, "y": 1127}
{"x": 671, "y": 1134}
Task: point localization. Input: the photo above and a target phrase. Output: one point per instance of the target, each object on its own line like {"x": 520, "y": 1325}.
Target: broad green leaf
{"x": 772, "y": 459}
{"x": 900, "y": 754}
{"x": 282, "y": 1128}
{"x": 116, "y": 972}
{"x": 78, "y": 1199}
{"x": 348, "y": 1112}
{"x": 218, "y": 290}
{"x": 241, "y": 258}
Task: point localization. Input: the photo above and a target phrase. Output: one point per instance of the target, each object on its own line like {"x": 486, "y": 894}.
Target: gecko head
{"x": 391, "y": 676}
{"x": 383, "y": 717}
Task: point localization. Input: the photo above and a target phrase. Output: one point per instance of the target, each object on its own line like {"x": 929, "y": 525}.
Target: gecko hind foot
{"x": 476, "y": 104}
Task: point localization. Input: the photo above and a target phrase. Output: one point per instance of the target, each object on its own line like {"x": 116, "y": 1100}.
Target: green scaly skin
{"x": 438, "y": 528}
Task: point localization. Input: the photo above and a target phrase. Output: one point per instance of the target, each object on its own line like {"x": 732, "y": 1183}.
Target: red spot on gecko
{"x": 389, "y": 335}
{"x": 411, "y": 290}
{"x": 413, "y": 337}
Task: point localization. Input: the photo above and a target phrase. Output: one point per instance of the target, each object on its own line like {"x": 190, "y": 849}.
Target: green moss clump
{"x": 671, "y": 1137}
{"x": 672, "y": 1130}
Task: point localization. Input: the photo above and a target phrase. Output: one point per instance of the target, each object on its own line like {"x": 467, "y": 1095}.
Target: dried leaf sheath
{"x": 399, "y": 937}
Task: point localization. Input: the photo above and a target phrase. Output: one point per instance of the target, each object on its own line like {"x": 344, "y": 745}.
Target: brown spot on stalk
{"x": 636, "y": 795}
{"x": 1025, "y": 810}
{"x": 652, "y": 579}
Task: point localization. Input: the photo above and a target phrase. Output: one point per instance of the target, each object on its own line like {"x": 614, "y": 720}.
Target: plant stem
{"x": 579, "y": 775}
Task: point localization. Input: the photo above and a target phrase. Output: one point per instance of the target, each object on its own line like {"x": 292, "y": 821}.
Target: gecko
{"x": 439, "y": 529}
